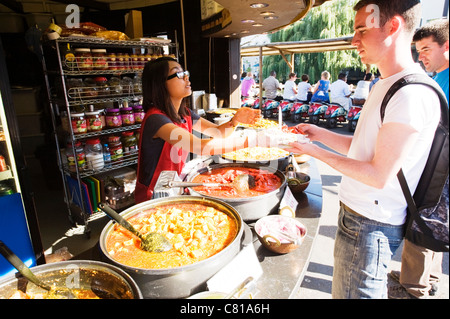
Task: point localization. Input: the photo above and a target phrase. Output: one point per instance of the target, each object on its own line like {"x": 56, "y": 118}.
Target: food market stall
{"x": 277, "y": 275}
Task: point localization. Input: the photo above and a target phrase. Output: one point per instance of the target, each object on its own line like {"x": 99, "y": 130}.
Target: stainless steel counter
{"x": 283, "y": 274}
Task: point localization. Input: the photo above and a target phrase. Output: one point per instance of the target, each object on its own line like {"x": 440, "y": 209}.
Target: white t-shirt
{"x": 338, "y": 92}
{"x": 362, "y": 90}
{"x": 415, "y": 105}
{"x": 289, "y": 93}
{"x": 302, "y": 91}
{"x": 271, "y": 85}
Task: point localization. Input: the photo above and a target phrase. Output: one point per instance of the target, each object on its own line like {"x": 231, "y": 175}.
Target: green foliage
{"x": 333, "y": 19}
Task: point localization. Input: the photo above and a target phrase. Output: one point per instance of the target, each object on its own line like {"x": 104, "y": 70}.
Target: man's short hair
{"x": 342, "y": 76}
{"x": 409, "y": 10}
{"x": 305, "y": 77}
{"x": 273, "y": 73}
{"x": 438, "y": 29}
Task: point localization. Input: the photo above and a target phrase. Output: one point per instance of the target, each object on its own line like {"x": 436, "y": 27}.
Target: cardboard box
{"x": 133, "y": 24}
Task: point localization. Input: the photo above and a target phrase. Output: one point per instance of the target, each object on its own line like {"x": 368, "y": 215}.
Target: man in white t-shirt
{"x": 290, "y": 88}
{"x": 340, "y": 92}
{"x": 373, "y": 208}
{"x": 271, "y": 86}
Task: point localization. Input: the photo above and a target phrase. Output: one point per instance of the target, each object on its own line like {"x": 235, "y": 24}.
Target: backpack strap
{"x": 420, "y": 79}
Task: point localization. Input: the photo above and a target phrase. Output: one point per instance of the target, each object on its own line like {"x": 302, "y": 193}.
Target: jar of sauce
{"x": 139, "y": 114}
{"x": 113, "y": 118}
{"x": 84, "y": 59}
{"x": 75, "y": 156}
{"x": 79, "y": 123}
{"x": 129, "y": 143}
{"x": 99, "y": 59}
{"x": 94, "y": 121}
{"x": 115, "y": 148}
{"x": 112, "y": 61}
{"x": 127, "y": 116}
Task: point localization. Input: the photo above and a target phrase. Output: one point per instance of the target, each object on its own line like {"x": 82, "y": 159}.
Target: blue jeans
{"x": 362, "y": 252}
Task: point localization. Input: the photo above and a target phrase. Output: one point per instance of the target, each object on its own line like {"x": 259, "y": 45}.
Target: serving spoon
{"x": 14, "y": 260}
{"x": 152, "y": 242}
{"x": 241, "y": 183}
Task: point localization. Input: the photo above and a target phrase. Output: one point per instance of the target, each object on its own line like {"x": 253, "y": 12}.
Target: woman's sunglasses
{"x": 180, "y": 75}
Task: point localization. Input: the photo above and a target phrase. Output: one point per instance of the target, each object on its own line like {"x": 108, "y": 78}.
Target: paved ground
{"x": 317, "y": 280}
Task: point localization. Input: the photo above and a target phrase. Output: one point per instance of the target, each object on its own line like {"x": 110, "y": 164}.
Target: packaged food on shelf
{"x": 139, "y": 114}
{"x": 79, "y": 123}
{"x": 84, "y": 59}
{"x": 94, "y": 121}
{"x": 102, "y": 86}
{"x": 99, "y": 59}
{"x": 75, "y": 156}
{"x": 94, "y": 154}
{"x": 113, "y": 118}
{"x": 127, "y": 116}
{"x": 112, "y": 61}
{"x": 129, "y": 143}
{"x": 115, "y": 148}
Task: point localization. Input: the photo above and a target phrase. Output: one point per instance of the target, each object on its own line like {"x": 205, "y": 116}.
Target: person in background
{"x": 340, "y": 92}
{"x": 248, "y": 83}
{"x": 166, "y": 136}
{"x": 303, "y": 88}
{"x": 421, "y": 268}
{"x": 373, "y": 209}
{"x": 321, "y": 88}
{"x": 362, "y": 90}
{"x": 271, "y": 86}
{"x": 290, "y": 88}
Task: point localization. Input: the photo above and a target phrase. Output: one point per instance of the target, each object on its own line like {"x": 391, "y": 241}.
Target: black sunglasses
{"x": 180, "y": 75}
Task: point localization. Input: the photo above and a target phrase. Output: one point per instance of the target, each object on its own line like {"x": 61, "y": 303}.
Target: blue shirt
{"x": 442, "y": 79}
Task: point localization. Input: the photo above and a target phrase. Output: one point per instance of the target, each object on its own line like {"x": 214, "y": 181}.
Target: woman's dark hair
{"x": 154, "y": 90}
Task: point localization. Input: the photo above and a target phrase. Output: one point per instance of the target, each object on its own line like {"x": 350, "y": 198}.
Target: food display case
{"x": 18, "y": 221}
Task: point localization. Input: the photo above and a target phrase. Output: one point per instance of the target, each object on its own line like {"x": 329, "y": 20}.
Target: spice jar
{"x": 94, "y": 154}
{"x": 75, "y": 156}
{"x": 113, "y": 118}
{"x": 99, "y": 59}
{"x": 126, "y": 62}
{"x": 84, "y": 59}
{"x": 129, "y": 143}
{"x": 79, "y": 123}
{"x": 127, "y": 116}
{"x": 115, "y": 148}
{"x": 120, "y": 62}
{"x": 139, "y": 114}
{"x": 94, "y": 121}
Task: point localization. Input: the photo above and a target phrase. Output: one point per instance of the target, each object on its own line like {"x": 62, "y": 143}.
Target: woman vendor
{"x": 166, "y": 132}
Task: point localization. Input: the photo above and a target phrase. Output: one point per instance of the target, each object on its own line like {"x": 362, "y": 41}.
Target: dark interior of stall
{"x": 207, "y": 59}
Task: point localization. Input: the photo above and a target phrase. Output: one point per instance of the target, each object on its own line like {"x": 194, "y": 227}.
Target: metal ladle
{"x": 152, "y": 242}
{"x": 14, "y": 260}
{"x": 241, "y": 183}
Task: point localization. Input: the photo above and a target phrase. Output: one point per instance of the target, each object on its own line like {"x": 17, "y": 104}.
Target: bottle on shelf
{"x": 106, "y": 156}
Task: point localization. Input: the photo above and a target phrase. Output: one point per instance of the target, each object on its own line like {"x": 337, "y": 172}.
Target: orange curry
{"x": 196, "y": 231}
{"x": 265, "y": 182}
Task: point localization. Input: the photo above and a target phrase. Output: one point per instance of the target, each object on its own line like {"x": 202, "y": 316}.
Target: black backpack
{"x": 428, "y": 210}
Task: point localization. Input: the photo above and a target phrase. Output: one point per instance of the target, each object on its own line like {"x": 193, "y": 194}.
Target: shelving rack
{"x": 62, "y": 98}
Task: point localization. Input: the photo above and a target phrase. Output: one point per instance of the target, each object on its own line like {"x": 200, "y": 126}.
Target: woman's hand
{"x": 246, "y": 115}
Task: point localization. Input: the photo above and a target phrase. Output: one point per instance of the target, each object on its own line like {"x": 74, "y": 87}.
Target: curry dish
{"x": 265, "y": 182}
{"x": 196, "y": 231}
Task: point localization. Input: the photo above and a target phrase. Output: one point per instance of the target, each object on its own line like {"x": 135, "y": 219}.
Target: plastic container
{"x": 113, "y": 118}
{"x": 94, "y": 154}
{"x": 102, "y": 86}
{"x": 79, "y": 123}
{"x": 127, "y": 116}
{"x": 94, "y": 121}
